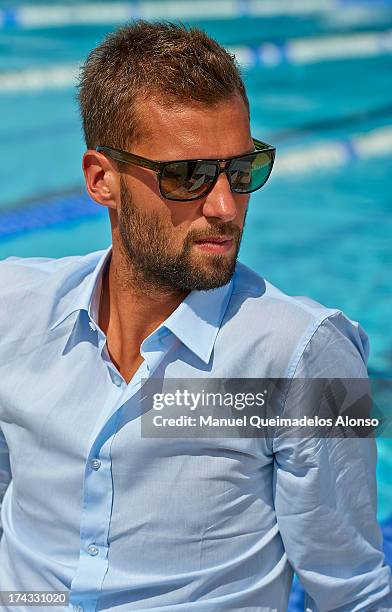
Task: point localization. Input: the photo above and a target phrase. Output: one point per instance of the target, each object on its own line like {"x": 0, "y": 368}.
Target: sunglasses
{"x": 190, "y": 179}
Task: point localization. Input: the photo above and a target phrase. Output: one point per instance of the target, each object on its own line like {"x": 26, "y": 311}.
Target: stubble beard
{"x": 146, "y": 242}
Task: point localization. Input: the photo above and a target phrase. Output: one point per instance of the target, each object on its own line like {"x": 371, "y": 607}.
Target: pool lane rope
{"x": 300, "y": 51}
{"x": 26, "y": 16}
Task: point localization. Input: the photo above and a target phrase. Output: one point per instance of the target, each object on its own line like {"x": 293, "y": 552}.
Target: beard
{"x": 147, "y": 245}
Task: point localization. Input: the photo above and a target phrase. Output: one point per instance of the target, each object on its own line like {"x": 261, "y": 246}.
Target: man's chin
{"x": 212, "y": 279}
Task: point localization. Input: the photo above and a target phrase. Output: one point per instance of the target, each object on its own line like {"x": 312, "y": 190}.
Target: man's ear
{"x": 102, "y": 180}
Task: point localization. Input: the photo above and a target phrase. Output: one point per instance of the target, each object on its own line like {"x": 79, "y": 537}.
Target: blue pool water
{"x": 323, "y": 230}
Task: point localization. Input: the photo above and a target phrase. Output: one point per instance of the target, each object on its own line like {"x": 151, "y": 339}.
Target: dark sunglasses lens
{"x": 251, "y": 172}
{"x": 187, "y": 180}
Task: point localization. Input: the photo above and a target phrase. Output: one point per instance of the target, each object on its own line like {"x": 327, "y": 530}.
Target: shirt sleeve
{"x": 5, "y": 472}
{"x": 325, "y": 491}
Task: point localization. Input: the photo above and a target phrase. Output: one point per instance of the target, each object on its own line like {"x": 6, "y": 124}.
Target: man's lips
{"x": 215, "y": 239}
{"x": 215, "y": 244}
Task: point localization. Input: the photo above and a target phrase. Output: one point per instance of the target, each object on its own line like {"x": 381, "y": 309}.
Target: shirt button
{"x": 92, "y": 326}
{"x": 95, "y": 464}
{"x": 92, "y": 550}
{"x": 116, "y": 379}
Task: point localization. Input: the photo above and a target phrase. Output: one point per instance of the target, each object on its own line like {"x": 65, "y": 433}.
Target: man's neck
{"x": 129, "y": 311}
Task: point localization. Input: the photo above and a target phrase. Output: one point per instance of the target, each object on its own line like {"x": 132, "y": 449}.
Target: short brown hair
{"x": 173, "y": 63}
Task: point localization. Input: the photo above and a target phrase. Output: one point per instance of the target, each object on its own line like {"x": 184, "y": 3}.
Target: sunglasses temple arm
{"x": 130, "y": 158}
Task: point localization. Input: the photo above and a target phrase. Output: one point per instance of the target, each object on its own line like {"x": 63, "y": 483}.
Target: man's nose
{"x": 220, "y": 202}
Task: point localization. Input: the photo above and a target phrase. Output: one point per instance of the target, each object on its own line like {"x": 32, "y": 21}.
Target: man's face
{"x": 159, "y": 236}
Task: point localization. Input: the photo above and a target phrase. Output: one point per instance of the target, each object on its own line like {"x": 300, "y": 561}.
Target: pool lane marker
{"x": 25, "y": 16}
{"x": 39, "y": 79}
{"x": 334, "y": 153}
{"x": 48, "y": 213}
{"x": 299, "y": 51}
{"x": 312, "y": 50}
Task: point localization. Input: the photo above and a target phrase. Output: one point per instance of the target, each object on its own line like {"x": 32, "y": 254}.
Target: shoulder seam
{"x": 307, "y": 342}
{"x": 318, "y": 325}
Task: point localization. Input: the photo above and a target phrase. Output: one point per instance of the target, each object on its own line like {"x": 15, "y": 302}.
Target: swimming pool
{"x": 318, "y": 87}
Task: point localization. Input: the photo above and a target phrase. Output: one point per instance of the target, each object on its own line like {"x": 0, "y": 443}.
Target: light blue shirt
{"x": 128, "y": 523}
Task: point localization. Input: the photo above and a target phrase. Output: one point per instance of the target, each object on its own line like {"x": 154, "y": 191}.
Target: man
{"x": 129, "y": 522}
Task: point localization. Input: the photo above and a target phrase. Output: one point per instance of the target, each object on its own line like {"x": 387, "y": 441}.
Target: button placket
{"x": 97, "y": 500}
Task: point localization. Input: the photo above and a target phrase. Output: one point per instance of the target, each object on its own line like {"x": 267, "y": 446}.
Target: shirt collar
{"x": 195, "y": 322}
{"x": 85, "y": 296}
